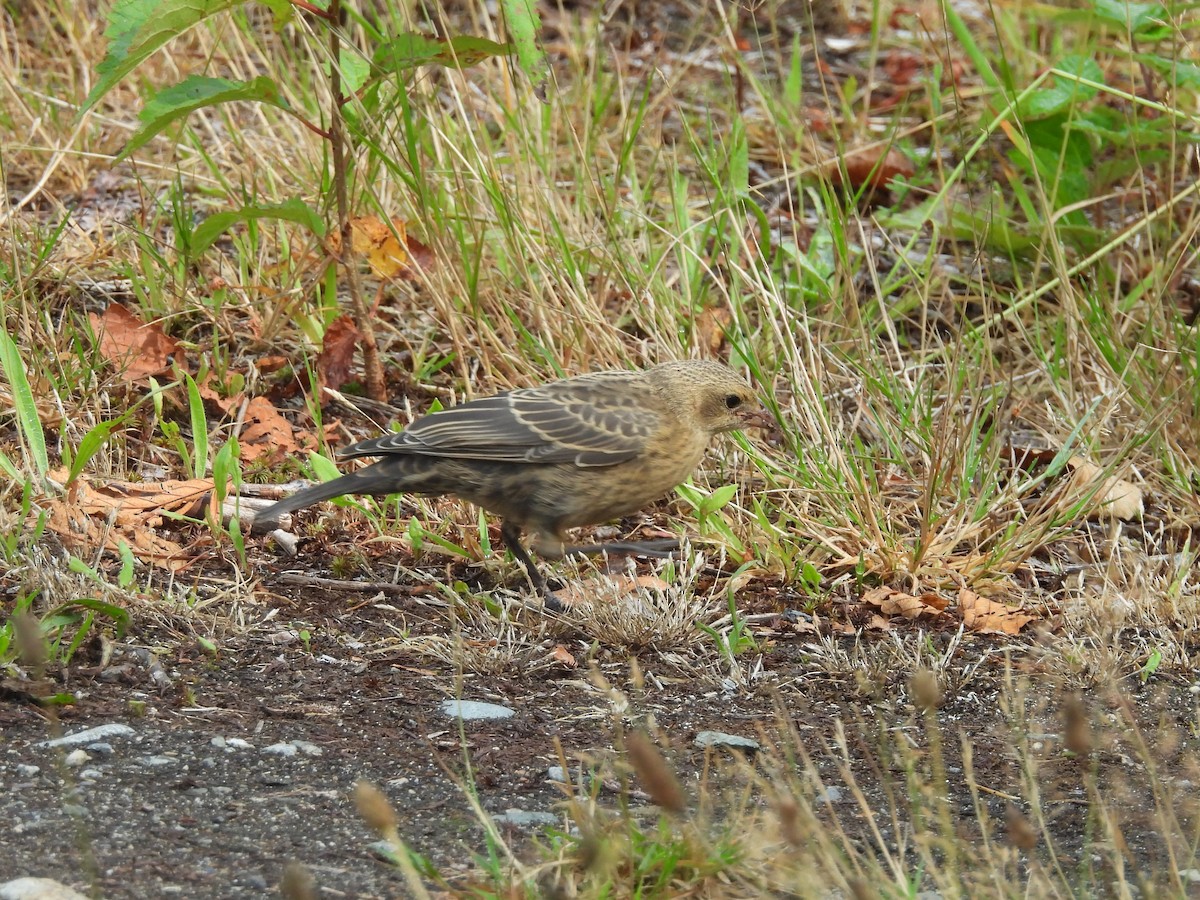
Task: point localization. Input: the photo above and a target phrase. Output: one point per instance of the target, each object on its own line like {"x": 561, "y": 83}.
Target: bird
{"x": 553, "y": 457}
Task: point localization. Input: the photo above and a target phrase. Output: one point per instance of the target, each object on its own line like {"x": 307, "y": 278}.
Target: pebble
{"x": 76, "y": 758}
{"x": 473, "y": 709}
{"x": 38, "y": 889}
{"x": 522, "y": 818}
{"x": 231, "y": 743}
{"x": 90, "y": 735}
{"x": 831, "y": 794}
{"x": 732, "y": 741}
{"x": 292, "y": 748}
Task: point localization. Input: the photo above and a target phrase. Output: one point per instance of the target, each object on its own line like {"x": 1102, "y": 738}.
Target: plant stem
{"x": 372, "y": 367}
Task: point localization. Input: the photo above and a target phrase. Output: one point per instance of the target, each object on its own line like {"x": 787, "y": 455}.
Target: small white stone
{"x": 91, "y": 735}
{"x": 473, "y": 709}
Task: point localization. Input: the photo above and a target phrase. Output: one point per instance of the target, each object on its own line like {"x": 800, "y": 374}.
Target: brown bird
{"x": 545, "y": 459}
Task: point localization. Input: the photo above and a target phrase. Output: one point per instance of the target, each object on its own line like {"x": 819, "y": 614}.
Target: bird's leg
{"x": 512, "y": 539}
{"x": 664, "y": 549}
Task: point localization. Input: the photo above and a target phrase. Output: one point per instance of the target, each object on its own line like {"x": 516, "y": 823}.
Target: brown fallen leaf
{"x": 336, "y": 359}
{"x": 874, "y": 166}
{"x": 563, "y": 657}
{"x": 268, "y": 364}
{"x": 265, "y": 432}
{"x": 95, "y": 515}
{"x": 712, "y": 327}
{"x": 1111, "y": 496}
{"x": 135, "y": 349}
{"x": 989, "y": 617}
{"x": 897, "y": 603}
{"x": 878, "y": 623}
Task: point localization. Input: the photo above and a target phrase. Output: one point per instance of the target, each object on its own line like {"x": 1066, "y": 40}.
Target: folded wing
{"x": 593, "y": 420}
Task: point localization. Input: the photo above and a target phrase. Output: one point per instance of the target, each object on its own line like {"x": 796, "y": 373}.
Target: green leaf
{"x": 523, "y": 22}
{"x": 716, "y": 500}
{"x": 62, "y": 698}
{"x": 28, "y": 423}
{"x": 9, "y": 468}
{"x": 225, "y": 468}
{"x": 199, "y": 426}
{"x": 323, "y": 467}
{"x": 410, "y": 50}
{"x": 1129, "y": 16}
{"x": 1085, "y": 67}
{"x": 137, "y": 28}
{"x": 125, "y": 576}
{"x": 96, "y": 438}
{"x": 1178, "y": 72}
{"x": 282, "y": 12}
{"x": 1065, "y": 92}
{"x": 193, "y": 93}
{"x": 79, "y": 567}
{"x": 294, "y": 210}
{"x": 355, "y": 71}
{"x": 793, "y": 86}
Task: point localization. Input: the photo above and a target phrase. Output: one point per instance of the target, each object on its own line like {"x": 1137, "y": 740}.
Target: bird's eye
{"x": 733, "y": 401}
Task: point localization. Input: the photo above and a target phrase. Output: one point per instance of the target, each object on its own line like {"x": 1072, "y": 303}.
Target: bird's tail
{"x": 376, "y": 479}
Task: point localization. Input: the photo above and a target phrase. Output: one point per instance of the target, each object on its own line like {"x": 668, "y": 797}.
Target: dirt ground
{"x": 179, "y": 807}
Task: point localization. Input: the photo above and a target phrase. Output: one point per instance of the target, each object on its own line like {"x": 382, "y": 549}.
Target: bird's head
{"x": 710, "y": 394}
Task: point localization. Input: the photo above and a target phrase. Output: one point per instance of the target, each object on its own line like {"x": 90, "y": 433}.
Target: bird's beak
{"x": 757, "y": 418}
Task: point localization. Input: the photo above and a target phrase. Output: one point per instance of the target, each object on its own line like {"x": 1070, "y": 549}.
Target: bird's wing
{"x": 596, "y": 420}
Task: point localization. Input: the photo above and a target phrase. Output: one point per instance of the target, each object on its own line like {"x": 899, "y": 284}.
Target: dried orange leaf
{"x": 116, "y": 512}
{"x": 563, "y": 656}
{"x": 608, "y": 587}
{"x": 988, "y": 616}
{"x": 897, "y": 603}
{"x": 383, "y": 246}
{"x": 876, "y": 595}
{"x": 137, "y": 350}
{"x": 266, "y": 432}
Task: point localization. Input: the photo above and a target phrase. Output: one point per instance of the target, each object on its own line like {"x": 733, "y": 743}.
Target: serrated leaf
{"x": 1128, "y": 15}
{"x": 355, "y": 71}
{"x": 521, "y": 18}
{"x": 407, "y": 51}
{"x": 137, "y": 28}
{"x": 193, "y": 93}
{"x": 282, "y": 12}
{"x": 293, "y": 210}
{"x": 1084, "y": 67}
{"x": 1178, "y": 72}
{"x": 1065, "y": 92}
{"x": 1045, "y": 103}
